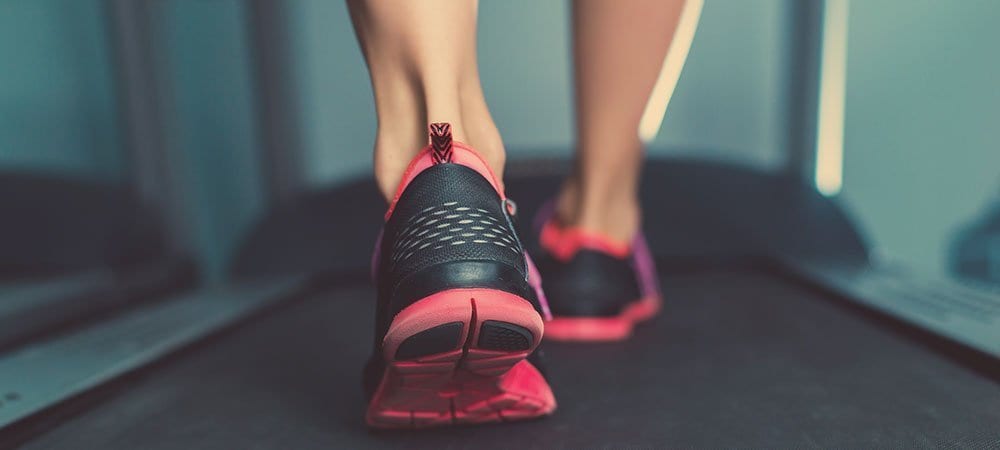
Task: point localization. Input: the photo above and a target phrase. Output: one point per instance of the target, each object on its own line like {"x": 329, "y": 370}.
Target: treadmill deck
{"x": 737, "y": 358}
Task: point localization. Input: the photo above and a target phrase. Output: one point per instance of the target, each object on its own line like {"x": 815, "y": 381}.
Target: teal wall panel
{"x": 211, "y": 123}
{"x": 57, "y": 108}
{"x": 922, "y": 151}
{"x": 337, "y": 115}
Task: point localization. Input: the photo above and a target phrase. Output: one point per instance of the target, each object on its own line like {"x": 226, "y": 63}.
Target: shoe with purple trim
{"x": 597, "y": 289}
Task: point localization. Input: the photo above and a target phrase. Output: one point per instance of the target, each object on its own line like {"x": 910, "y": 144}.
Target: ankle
{"x": 614, "y": 213}
{"x": 483, "y": 137}
{"x": 406, "y": 103}
{"x": 395, "y": 148}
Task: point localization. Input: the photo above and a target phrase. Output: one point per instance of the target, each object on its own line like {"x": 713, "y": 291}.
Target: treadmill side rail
{"x": 41, "y": 375}
{"x": 965, "y": 313}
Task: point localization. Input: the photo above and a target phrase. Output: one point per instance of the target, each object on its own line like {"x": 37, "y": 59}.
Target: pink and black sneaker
{"x": 459, "y": 313}
{"x": 597, "y": 289}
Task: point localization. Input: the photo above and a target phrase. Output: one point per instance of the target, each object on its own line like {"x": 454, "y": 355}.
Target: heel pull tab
{"x": 441, "y": 142}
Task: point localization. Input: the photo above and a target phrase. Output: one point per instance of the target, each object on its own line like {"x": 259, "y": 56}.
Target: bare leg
{"x": 421, "y": 56}
{"x": 619, "y": 48}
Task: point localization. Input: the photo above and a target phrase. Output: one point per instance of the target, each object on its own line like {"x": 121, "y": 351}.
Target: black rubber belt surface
{"x": 737, "y": 359}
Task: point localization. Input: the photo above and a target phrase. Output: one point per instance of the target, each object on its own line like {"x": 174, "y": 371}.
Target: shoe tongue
{"x": 442, "y": 149}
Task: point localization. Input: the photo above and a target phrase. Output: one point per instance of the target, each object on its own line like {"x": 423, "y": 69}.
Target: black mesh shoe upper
{"x": 448, "y": 213}
{"x": 448, "y": 230}
{"x": 591, "y": 284}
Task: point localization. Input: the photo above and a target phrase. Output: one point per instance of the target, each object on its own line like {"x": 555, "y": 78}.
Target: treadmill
{"x": 778, "y": 331}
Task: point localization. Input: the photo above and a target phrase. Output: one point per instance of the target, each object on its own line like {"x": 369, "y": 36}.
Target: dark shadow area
{"x": 76, "y": 251}
{"x": 694, "y": 211}
{"x": 975, "y": 249}
{"x": 53, "y": 225}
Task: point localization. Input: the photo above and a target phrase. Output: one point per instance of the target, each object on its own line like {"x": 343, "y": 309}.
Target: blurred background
{"x": 211, "y": 112}
{"x": 171, "y": 168}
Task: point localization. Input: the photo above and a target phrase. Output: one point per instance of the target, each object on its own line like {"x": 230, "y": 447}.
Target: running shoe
{"x": 459, "y": 311}
{"x": 597, "y": 289}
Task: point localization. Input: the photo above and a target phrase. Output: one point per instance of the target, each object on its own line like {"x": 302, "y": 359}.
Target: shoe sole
{"x": 602, "y": 329}
{"x": 458, "y": 357}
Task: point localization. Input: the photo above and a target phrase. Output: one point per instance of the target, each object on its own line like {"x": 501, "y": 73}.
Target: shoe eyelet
{"x": 510, "y": 207}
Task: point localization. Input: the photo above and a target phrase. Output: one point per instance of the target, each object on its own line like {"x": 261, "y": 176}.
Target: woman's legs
{"x": 422, "y": 60}
{"x": 455, "y": 312}
{"x": 619, "y": 48}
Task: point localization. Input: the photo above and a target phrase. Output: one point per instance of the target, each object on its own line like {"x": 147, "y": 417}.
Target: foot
{"x": 457, "y": 316}
{"x": 597, "y": 288}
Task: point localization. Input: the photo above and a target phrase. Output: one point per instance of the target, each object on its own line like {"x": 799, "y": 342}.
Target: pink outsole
{"x": 602, "y": 329}
{"x": 467, "y": 385}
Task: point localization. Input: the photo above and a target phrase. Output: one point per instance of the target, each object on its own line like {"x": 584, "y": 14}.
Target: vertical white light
{"x": 673, "y": 62}
{"x": 832, "y": 85}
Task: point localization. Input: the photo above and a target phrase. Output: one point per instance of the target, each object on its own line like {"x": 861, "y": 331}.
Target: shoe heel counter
{"x": 449, "y": 229}
{"x": 460, "y": 275}
{"x": 591, "y": 284}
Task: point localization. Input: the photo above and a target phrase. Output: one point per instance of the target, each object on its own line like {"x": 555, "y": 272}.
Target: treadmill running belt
{"x": 739, "y": 358}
